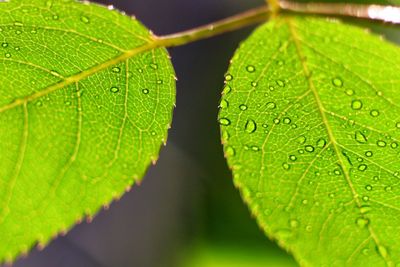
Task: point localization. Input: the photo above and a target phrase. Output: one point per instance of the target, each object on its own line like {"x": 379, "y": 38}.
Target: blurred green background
{"x": 187, "y": 212}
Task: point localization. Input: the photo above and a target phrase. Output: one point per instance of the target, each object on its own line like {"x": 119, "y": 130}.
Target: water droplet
{"x": 250, "y": 126}
{"x": 250, "y": 68}
{"x": 360, "y": 137}
{"x": 243, "y": 107}
{"x": 365, "y": 198}
{"x": 153, "y": 66}
{"x": 388, "y": 188}
{"x": 292, "y": 157}
{"x": 309, "y": 148}
{"x": 114, "y": 89}
{"x": 39, "y": 103}
{"x": 368, "y": 187}
{"x": 85, "y": 19}
{"x": 276, "y": 121}
{"x": 349, "y": 92}
{"x": 337, "y": 172}
{"x": 280, "y": 83}
{"x": 18, "y": 32}
{"x": 369, "y": 154}
{"x": 271, "y": 105}
{"x": 4, "y": 45}
{"x": 398, "y": 125}
{"x": 362, "y": 167}
{"x": 19, "y": 24}
{"x": 381, "y": 143}
{"x": 286, "y": 166}
{"x": 356, "y": 104}
{"x": 308, "y": 228}
{"x": 394, "y": 145}
{"x": 67, "y": 103}
{"x": 223, "y": 103}
{"x": 301, "y": 139}
{"x": 7, "y": 55}
{"x": 362, "y": 222}
{"x": 224, "y": 121}
{"x": 160, "y": 82}
{"x": 227, "y": 89}
{"x": 254, "y": 84}
{"x": 228, "y": 77}
{"x": 287, "y": 120}
{"x": 145, "y": 91}
{"x": 255, "y": 148}
{"x": 374, "y": 113}
{"x": 321, "y": 143}
{"x": 116, "y": 70}
{"x": 337, "y": 82}
{"x": 230, "y": 151}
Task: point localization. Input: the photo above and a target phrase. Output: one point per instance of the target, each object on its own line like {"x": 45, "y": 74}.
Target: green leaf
{"x": 311, "y": 128}
{"x": 85, "y": 103}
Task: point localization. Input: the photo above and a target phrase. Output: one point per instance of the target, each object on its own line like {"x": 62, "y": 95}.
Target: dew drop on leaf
{"x": 356, "y": 104}
{"x": 276, "y": 121}
{"x": 4, "y": 45}
{"x": 309, "y": 148}
{"x": 301, "y": 139}
{"x": 85, "y": 19}
{"x": 7, "y": 55}
{"x": 285, "y": 166}
{"x": 280, "y": 83}
{"x": 254, "y": 84}
{"x": 362, "y": 167}
{"x": 228, "y": 77}
{"x": 394, "y": 145}
{"x": 321, "y": 143}
{"x": 286, "y": 120}
{"x": 368, "y": 187}
{"x": 271, "y": 105}
{"x": 153, "y": 66}
{"x": 360, "y": 137}
{"x": 145, "y": 91}
{"x": 116, "y": 70}
{"x": 374, "y": 113}
{"x": 250, "y": 68}
{"x": 381, "y": 143}
{"x": 224, "y": 121}
{"x": 292, "y": 157}
{"x": 224, "y": 104}
{"x": 250, "y": 126}
{"x": 368, "y": 153}
{"x": 337, "y": 82}
{"x": 114, "y": 90}
{"x": 243, "y": 107}
{"x": 227, "y": 89}
{"x": 349, "y": 92}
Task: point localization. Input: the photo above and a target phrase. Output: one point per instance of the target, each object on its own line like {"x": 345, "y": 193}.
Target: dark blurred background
{"x": 186, "y": 213}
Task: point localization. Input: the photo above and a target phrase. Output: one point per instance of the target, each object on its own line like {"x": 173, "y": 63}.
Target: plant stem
{"x": 239, "y": 21}
{"x": 373, "y": 12}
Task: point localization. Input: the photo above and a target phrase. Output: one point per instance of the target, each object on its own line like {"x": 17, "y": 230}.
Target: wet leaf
{"x": 320, "y": 166}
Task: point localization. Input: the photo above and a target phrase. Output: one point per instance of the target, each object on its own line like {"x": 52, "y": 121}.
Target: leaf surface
{"x": 311, "y": 128}
{"x": 85, "y": 104}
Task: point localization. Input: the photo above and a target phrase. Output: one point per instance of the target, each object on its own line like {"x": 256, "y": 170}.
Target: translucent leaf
{"x": 85, "y": 103}
{"x": 311, "y": 129}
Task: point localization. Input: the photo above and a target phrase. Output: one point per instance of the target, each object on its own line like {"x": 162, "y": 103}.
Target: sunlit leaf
{"x": 311, "y": 128}
{"x": 85, "y": 103}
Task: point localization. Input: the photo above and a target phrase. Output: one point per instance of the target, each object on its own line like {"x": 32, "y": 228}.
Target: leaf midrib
{"x": 335, "y": 144}
{"x": 76, "y": 78}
